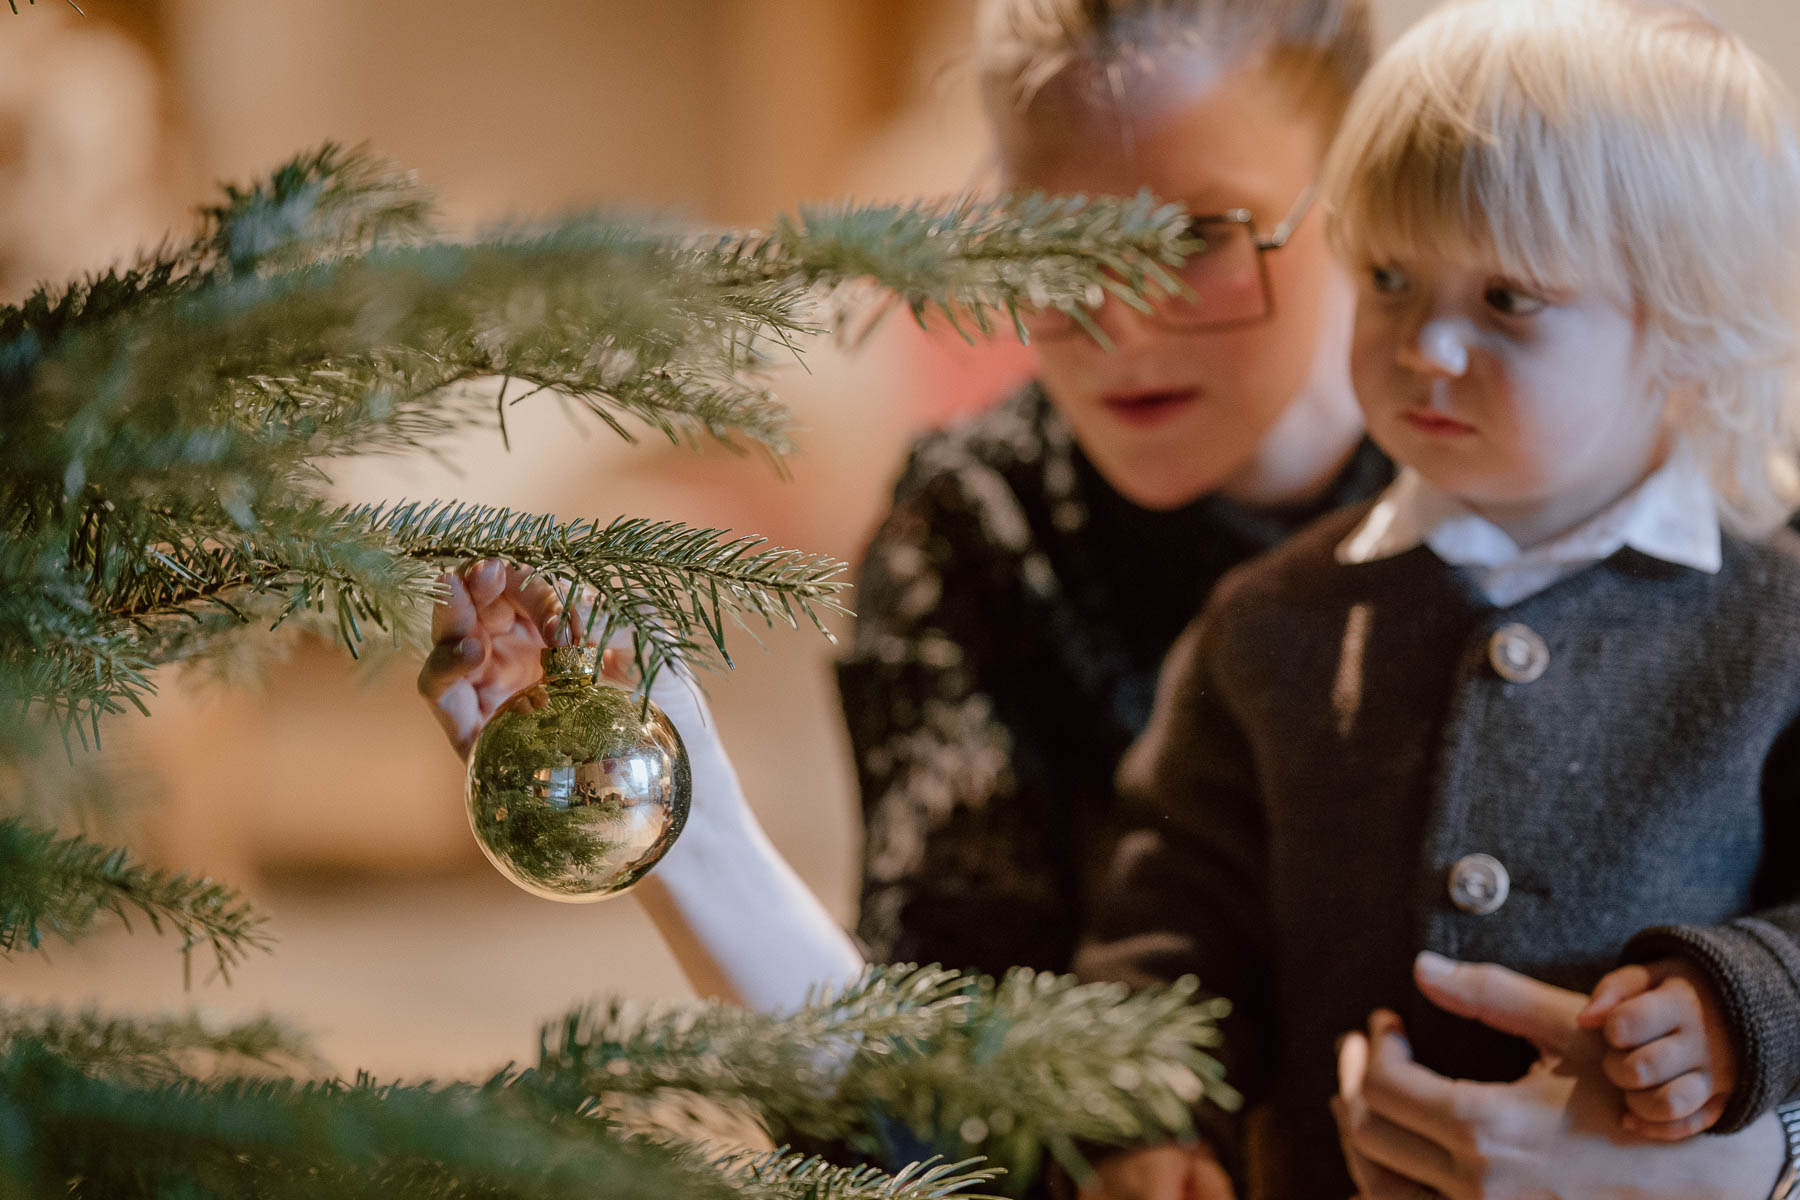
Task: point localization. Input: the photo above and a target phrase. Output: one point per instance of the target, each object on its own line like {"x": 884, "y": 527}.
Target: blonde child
{"x": 1539, "y": 703}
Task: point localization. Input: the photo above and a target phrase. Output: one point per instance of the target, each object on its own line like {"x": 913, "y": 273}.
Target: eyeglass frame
{"x": 1275, "y": 239}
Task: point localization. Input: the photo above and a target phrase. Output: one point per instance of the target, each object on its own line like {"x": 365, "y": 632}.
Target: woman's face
{"x": 1170, "y": 414}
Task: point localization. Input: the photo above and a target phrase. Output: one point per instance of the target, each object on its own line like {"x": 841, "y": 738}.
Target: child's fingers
{"x": 1673, "y": 1101}
{"x": 453, "y": 617}
{"x": 485, "y": 579}
{"x": 571, "y": 621}
{"x": 542, "y": 605}
{"x": 1655, "y": 1063}
{"x": 619, "y": 665}
{"x": 448, "y": 664}
{"x": 1612, "y": 990}
{"x": 1657, "y": 1013}
{"x": 1675, "y": 1131}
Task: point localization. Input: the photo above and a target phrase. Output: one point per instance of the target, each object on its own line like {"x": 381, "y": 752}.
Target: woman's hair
{"x": 1318, "y": 50}
{"x": 1632, "y": 146}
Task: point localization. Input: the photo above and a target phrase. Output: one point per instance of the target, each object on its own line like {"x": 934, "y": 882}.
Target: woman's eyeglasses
{"x": 1225, "y": 280}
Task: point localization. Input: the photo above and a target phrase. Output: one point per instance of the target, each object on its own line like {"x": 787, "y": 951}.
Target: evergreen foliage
{"x": 165, "y": 431}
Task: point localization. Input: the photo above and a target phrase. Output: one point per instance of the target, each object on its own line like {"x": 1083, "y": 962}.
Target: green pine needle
{"x": 55, "y": 886}
{"x": 1008, "y": 1069}
{"x": 146, "y": 1051}
{"x": 674, "y": 587}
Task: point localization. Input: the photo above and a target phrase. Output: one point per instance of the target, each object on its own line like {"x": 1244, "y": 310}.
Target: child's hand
{"x": 486, "y": 637}
{"x": 1668, "y": 1047}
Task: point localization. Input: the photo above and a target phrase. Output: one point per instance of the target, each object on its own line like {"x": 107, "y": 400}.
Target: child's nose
{"x": 1441, "y": 347}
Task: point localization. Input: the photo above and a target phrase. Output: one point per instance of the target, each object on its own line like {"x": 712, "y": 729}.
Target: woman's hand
{"x": 1553, "y": 1133}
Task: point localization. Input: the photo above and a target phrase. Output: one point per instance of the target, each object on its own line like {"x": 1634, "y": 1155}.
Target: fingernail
{"x": 1433, "y": 966}
{"x": 470, "y": 649}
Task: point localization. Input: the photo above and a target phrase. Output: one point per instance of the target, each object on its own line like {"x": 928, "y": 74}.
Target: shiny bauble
{"x": 576, "y": 788}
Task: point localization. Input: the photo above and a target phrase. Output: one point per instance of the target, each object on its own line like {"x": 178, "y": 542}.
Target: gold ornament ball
{"x": 576, "y": 788}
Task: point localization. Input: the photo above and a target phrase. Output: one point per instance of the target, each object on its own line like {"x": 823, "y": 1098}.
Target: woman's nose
{"x": 1441, "y": 347}
{"x": 1124, "y": 325}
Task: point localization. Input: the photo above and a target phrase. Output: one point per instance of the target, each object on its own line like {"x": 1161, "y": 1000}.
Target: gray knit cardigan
{"x": 1329, "y": 741}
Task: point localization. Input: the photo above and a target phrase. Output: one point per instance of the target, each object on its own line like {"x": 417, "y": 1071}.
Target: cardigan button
{"x": 1479, "y": 884}
{"x": 1518, "y": 654}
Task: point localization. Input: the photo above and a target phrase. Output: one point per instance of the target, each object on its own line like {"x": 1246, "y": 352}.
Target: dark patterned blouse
{"x": 1013, "y": 611}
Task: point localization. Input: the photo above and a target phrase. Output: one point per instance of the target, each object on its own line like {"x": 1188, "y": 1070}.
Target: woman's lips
{"x": 1149, "y": 407}
{"x": 1436, "y": 424}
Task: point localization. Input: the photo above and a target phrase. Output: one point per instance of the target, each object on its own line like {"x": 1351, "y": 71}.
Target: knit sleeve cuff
{"x": 1754, "y": 968}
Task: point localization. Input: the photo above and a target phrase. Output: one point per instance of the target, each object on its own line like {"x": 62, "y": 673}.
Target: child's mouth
{"x": 1436, "y": 424}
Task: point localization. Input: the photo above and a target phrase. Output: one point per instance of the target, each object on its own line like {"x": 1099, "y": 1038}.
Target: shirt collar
{"x": 1672, "y": 515}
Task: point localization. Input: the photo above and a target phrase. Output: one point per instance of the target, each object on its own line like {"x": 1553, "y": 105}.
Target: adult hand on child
{"x": 1172, "y": 1171}
{"x": 1668, "y": 1047}
{"x": 1553, "y": 1132}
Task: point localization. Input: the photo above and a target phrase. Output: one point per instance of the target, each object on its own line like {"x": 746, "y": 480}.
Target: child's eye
{"x": 1387, "y": 280}
{"x": 1513, "y": 302}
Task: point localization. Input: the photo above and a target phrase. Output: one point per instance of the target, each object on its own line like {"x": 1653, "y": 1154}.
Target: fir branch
{"x": 236, "y": 383}
{"x": 69, "y": 1133}
{"x": 62, "y": 886}
{"x": 160, "y": 589}
{"x": 782, "y": 1173}
{"x": 322, "y": 204}
{"x": 909, "y": 1061}
{"x": 673, "y": 586}
{"x": 144, "y": 1051}
{"x": 974, "y": 259}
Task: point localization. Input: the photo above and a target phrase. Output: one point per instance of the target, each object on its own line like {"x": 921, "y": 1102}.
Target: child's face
{"x": 1172, "y": 413}
{"x": 1536, "y": 407}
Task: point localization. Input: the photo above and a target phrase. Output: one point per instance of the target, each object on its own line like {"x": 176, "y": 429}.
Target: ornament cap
{"x": 571, "y": 660}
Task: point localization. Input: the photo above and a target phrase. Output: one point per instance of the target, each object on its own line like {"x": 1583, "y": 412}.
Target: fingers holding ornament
{"x": 576, "y": 788}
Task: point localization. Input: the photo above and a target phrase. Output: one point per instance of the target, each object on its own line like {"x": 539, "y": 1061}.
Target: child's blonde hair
{"x": 1318, "y": 50}
{"x": 1629, "y": 145}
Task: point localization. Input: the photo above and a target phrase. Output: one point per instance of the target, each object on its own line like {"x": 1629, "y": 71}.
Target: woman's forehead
{"x": 1235, "y": 143}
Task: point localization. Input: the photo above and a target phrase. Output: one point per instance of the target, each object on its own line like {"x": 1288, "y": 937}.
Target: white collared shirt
{"x": 1672, "y": 515}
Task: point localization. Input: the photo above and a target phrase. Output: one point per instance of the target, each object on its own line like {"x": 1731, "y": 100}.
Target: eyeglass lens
{"x": 1224, "y": 283}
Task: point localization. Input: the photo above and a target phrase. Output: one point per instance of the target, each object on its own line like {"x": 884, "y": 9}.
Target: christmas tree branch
{"x": 62, "y": 886}
{"x": 908, "y": 1060}
{"x": 144, "y": 1051}
{"x": 782, "y": 1173}
{"x": 280, "y": 1138}
{"x": 674, "y": 587}
{"x": 977, "y": 259}
{"x": 76, "y": 1133}
{"x": 324, "y": 203}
